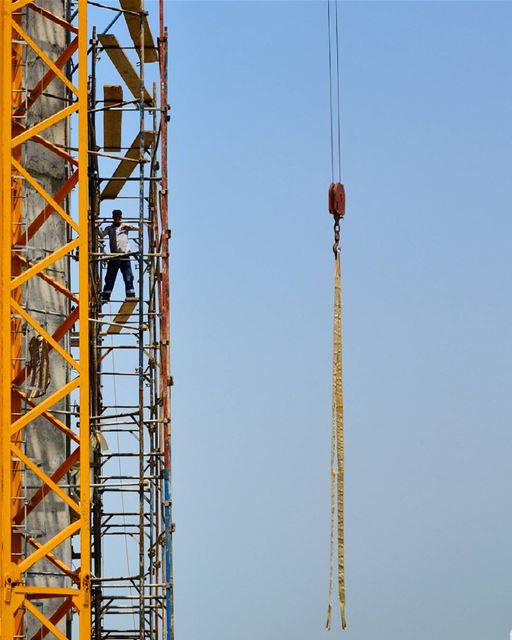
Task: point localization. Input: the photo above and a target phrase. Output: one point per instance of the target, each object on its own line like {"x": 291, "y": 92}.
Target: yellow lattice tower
{"x": 20, "y": 553}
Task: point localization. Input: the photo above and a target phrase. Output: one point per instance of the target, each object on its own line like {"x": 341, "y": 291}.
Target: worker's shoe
{"x": 130, "y": 294}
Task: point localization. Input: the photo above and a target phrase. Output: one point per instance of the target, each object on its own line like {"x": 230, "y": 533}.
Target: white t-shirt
{"x": 118, "y": 237}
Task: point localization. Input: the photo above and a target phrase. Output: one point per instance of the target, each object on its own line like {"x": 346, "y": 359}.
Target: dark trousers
{"x": 113, "y": 266}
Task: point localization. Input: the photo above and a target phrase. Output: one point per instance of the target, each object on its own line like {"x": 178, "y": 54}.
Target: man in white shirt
{"x": 119, "y": 244}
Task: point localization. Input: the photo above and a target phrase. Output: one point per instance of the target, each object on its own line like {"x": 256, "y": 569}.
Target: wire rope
{"x": 330, "y": 89}
{"x": 338, "y": 91}
{"x": 334, "y": 89}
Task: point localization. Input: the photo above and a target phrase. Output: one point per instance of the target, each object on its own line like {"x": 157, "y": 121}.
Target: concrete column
{"x": 45, "y": 444}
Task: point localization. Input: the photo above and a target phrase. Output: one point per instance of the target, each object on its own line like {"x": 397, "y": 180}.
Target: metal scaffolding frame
{"x": 112, "y": 403}
{"x": 130, "y": 409}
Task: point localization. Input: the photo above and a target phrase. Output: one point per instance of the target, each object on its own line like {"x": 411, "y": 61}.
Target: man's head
{"x": 117, "y": 216}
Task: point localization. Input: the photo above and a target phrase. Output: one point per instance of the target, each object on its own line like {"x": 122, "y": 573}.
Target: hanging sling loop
{"x": 337, "y": 209}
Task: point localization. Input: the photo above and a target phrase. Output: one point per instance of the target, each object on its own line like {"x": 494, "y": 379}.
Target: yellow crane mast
{"x": 21, "y": 132}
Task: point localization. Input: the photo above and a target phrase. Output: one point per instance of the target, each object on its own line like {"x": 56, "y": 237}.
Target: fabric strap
{"x": 337, "y": 456}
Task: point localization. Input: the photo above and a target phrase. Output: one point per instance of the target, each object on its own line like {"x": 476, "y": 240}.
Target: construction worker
{"x": 119, "y": 244}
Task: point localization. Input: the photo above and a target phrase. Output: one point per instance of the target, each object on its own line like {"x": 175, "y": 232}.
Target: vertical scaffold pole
{"x": 142, "y": 587}
{"x": 83, "y": 249}
{"x": 165, "y": 324}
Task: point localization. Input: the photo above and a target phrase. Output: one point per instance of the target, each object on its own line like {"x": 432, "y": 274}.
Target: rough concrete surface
{"x": 44, "y": 443}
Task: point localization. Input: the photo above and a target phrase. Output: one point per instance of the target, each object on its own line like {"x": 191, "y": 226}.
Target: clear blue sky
{"x": 427, "y": 145}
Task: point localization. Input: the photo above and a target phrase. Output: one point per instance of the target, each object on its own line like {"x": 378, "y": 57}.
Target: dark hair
{"x": 117, "y": 212}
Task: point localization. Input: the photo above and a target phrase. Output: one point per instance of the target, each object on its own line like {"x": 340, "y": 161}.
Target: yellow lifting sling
{"x": 337, "y": 209}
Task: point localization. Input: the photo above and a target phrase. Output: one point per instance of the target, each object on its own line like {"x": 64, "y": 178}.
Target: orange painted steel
{"x": 41, "y": 218}
{"x": 20, "y": 553}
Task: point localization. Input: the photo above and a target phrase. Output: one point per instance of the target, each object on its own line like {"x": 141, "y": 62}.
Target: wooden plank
{"x": 112, "y": 118}
{"x": 133, "y": 23}
{"x": 123, "y": 315}
{"x": 124, "y": 66}
{"x": 126, "y": 167}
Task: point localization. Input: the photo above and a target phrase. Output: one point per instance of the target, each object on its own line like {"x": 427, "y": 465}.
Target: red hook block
{"x": 337, "y": 199}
